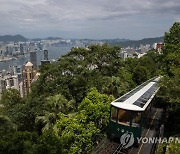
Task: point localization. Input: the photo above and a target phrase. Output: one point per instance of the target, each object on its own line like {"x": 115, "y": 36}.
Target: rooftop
{"x": 29, "y": 64}
{"x": 139, "y": 98}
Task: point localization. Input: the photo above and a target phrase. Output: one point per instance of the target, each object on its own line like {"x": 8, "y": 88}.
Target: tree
{"x": 53, "y": 105}
{"x": 10, "y": 98}
{"x": 115, "y": 86}
{"x": 48, "y": 143}
{"x": 96, "y": 107}
{"x": 77, "y": 137}
{"x": 171, "y": 56}
{"x": 140, "y": 74}
{"x": 171, "y": 50}
{"x": 18, "y": 143}
{"x": 31, "y": 143}
{"x": 6, "y": 125}
{"x": 150, "y": 64}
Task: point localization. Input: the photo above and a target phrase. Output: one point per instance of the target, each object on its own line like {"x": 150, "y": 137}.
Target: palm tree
{"x": 55, "y": 104}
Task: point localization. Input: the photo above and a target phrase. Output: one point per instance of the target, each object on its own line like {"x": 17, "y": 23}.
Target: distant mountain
{"x": 53, "y": 38}
{"x": 14, "y": 38}
{"x": 48, "y": 38}
{"x": 137, "y": 43}
{"x": 117, "y": 40}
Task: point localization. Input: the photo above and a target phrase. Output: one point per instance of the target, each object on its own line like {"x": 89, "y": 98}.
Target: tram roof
{"x": 139, "y": 98}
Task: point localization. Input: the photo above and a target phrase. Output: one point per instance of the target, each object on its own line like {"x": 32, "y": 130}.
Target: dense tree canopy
{"x": 171, "y": 57}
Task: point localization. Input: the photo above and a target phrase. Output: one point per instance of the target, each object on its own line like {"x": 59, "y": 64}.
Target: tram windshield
{"x": 113, "y": 114}
{"x": 136, "y": 119}
{"x": 124, "y": 117}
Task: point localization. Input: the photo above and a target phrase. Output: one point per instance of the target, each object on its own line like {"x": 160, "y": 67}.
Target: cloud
{"x": 74, "y": 16}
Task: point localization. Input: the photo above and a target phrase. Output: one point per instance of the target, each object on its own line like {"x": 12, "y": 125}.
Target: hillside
{"x": 14, "y": 38}
{"x": 137, "y": 43}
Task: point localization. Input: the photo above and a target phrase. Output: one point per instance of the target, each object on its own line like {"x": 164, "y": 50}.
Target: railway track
{"x": 121, "y": 150}
{"x": 110, "y": 147}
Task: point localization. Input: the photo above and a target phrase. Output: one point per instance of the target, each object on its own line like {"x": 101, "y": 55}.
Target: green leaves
{"x": 80, "y": 132}
{"x": 30, "y": 143}
{"x": 140, "y": 74}
{"x": 10, "y": 98}
{"x": 171, "y": 53}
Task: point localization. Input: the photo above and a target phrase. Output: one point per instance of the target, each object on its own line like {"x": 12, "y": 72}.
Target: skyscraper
{"x": 45, "y": 61}
{"x": 28, "y": 75}
{"x": 33, "y": 59}
{"x": 45, "y": 54}
{"x": 21, "y": 49}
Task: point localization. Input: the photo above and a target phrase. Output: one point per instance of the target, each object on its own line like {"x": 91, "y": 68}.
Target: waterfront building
{"x": 15, "y": 82}
{"x": 33, "y": 59}
{"x": 2, "y": 85}
{"x": 21, "y": 89}
{"x": 45, "y": 61}
{"x": 28, "y": 75}
{"x": 8, "y": 81}
{"x": 21, "y": 49}
{"x": 45, "y": 54}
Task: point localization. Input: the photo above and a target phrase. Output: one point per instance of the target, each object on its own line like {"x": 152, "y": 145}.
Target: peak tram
{"x": 129, "y": 112}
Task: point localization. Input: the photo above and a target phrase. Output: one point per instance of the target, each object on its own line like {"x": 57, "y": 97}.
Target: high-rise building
{"x": 15, "y": 69}
{"x": 45, "y": 61}
{"x": 21, "y": 49}
{"x": 21, "y": 89}
{"x": 15, "y": 80}
{"x": 2, "y": 84}
{"x": 45, "y": 54}
{"x": 28, "y": 75}
{"x": 11, "y": 69}
{"x": 33, "y": 59}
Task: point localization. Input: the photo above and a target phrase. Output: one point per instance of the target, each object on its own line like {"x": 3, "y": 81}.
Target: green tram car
{"x": 128, "y": 113}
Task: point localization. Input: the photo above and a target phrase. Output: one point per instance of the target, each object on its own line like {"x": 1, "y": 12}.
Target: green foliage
{"x": 53, "y": 105}
{"x": 79, "y": 70}
{"x": 140, "y": 74}
{"x": 170, "y": 89}
{"x": 172, "y": 126}
{"x": 48, "y": 143}
{"x": 173, "y": 148}
{"x": 58, "y": 103}
{"x": 79, "y": 133}
{"x": 96, "y": 108}
{"x": 171, "y": 50}
{"x": 10, "y": 98}
{"x": 161, "y": 148}
{"x": 30, "y": 143}
{"x": 76, "y": 136}
{"x": 168, "y": 148}
{"x": 6, "y": 125}
{"x": 17, "y": 143}
{"x": 170, "y": 84}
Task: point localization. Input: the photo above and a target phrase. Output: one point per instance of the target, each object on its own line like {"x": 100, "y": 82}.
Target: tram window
{"x": 113, "y": 114}
{"x": 124, "y": 117}
{"x": 136, "y": 121}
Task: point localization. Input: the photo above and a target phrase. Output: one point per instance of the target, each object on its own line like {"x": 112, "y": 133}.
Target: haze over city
{"x": 96, "y": 19}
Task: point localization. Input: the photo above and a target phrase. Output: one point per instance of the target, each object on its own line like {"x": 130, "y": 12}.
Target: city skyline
{"x": 98, "y": 19}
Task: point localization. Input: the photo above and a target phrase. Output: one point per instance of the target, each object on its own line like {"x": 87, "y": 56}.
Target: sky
{"x": 93, "y": 19}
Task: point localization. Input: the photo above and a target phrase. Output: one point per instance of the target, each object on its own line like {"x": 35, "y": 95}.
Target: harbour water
{"x": 53, "y": 52}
